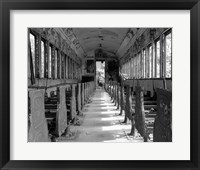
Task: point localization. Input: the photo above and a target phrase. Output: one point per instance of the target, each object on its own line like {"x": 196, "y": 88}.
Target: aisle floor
{"x": 101, "y": 122}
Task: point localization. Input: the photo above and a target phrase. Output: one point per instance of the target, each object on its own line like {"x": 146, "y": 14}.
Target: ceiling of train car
{"x": 107, "y": 39}
{"x": 113, "y": 41}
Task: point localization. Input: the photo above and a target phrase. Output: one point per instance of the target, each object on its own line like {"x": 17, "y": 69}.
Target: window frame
{"x": 165, "y": 34}
{"x": 35, "y": 68}
{"x": 156, "y": 52}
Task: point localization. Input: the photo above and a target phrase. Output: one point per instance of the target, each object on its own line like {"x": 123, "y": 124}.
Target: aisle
{"x": 102, "y": 123}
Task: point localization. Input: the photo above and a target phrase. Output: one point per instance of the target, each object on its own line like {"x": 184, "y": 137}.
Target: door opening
{"x": 100, "y": 73}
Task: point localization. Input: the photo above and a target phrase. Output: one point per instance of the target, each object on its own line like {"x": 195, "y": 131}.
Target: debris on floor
{"x": 100, "y": 122}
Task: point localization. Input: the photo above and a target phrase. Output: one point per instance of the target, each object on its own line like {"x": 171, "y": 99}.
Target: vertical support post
{"x": 121, "y": 99}
{"x": 118, "y": 100}
{"x": 128, "y": 107}
{"x": 86, "y": 92}
{"x": 79, "y": 98}
{"x": 112, "y": 91}
{"x": 115, "y": 94}
{"x": 73, "y": 101}
{"x": 109, "y": 88}
{"x": 82, "y": 95}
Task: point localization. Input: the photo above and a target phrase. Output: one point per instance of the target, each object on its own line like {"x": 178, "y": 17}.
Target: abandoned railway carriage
{"x": 99, "y": 84}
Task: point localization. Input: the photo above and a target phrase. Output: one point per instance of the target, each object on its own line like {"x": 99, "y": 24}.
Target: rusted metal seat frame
{"x": 163, "y": 121}
{"x": 140, "y": 115}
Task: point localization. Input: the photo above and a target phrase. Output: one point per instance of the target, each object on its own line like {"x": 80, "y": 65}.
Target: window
{"x": 53, "y": 62}
{"x": 144, "y": 63}
{"x": 69, "y": 64}
{"x": 62, "y": 66}
{"x": 56, "y": 59}
{"x": 66, "y": 69}
{"x": 58, "y": 65}
{"x": 42, "y": 59}
{"x": 158, "y": 59}
{"x": 129, "y": 68}
{"x": 141, "y": 62}
{"x": 139, "y": 65}
{"x": 76, "y": 70}
{"x": 49, "y": 62}
{"x": 124, "y": 68}
{"x": 150, "y": 61}
{"x": 168, "y": 54}
{"x": 46, "y": 61}
{"x": 73, "y": 70}
{"x": 135, "y": 67}
{"x": 153, "y": 61}
{"x": 70, "y": 68}
{"x": 32, "y": 45}
{"x": 147, "y": 64}
{"x": 136, "y": 62}
{"x": 132, "y": 68}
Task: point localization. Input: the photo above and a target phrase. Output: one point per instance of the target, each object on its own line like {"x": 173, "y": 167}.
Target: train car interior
{"x": 99, "y": 84}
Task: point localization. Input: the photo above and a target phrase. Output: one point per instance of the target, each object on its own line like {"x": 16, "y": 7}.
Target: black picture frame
{"x": 7, "y": 5}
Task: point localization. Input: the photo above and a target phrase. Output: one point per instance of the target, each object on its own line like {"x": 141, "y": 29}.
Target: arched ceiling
{"x": 107, "y": 39}
{"x": 85, "y": 41}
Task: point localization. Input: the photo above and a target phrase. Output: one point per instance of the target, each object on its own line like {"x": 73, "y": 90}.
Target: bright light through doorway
{"x": 100, "y": 73}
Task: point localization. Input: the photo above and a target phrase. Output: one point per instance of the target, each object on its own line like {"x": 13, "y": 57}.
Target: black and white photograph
{"x": 99, "y": 84}
{"x": 93, "y": 84}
